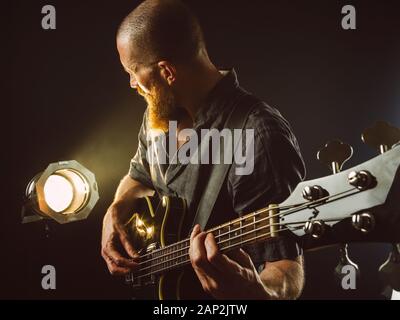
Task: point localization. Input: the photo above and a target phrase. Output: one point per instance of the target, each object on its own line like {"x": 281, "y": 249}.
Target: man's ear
{"x": 168, "y": 71}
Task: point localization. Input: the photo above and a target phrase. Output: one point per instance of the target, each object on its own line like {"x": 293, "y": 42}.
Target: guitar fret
{"x": 181, "y": 246}
{"x": 153, "y": 255}
{"x": 168, "y": 258}
{"x": 173, "y": 255}
{"x": 159, "y": 260}
{"x": 185, "y": 251}
{"x": 229, "y": 234}
{"x": 165, "y": 258}
{"x": 240, "y": 230}
{"x": 180, "y": 252}
{"x": 254, "y": 225}
{"x": 162, "y": 253}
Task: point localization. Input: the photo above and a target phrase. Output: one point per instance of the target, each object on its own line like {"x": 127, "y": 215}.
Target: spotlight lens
{"x": 58, "y": 192}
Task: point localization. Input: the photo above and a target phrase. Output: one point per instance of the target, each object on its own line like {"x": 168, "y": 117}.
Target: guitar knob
{"x": 164, "y": 201}
{"x": 312, "y": 193}
{"x": 315, "y": 228}
{"x": 362, "y": 180}
{"x": 365, "y": 222}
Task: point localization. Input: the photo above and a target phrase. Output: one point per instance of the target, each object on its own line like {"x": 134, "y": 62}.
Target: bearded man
{"x": 162, "y": 48}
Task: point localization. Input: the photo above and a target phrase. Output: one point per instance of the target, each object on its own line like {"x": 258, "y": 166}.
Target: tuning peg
{"x": 344, "y": 261}
{"x": 313, "y": 193}
{"x": 362, "y": 180}
{"x": 381, "y": 136}
{"x": 315, "y": 228}
{"x": 390, "y": 269}
{"x": 335, "y": 154}
{"x": 364, "y": 222}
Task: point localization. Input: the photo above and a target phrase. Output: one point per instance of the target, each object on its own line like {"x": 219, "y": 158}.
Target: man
{"x": 161, "y": 46}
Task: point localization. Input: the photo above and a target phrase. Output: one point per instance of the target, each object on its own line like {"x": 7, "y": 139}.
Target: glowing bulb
{"x": 58, "y": 193}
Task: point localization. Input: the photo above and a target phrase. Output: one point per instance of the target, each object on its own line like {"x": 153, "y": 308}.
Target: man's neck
{"x": 196, "y": 91}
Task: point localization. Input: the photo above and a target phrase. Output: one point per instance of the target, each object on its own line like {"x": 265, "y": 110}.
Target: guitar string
{"x": 296, "y": 208}
{"x": 228, "y": 247}
{"x": 216, "y": 237}
{"x": 229, "y": 240}
{"x": 238, "y": 220}
{"x": 188, "y": 260}
{"x": 187, "y": 247}
{"x": 220, "y": 235}
{"x": 171, "y": 253}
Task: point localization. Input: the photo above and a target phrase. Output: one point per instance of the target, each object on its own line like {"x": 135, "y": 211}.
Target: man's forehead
{"x": 127, "y": 52}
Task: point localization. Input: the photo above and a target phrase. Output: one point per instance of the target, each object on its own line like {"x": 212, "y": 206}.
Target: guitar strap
{"x": 236, "y": 120}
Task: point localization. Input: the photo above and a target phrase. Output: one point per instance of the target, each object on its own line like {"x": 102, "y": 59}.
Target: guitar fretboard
{"x": 256, "y": 226}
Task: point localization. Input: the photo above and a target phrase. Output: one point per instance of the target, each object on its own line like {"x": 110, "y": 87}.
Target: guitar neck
{"x": 253, "y": 227}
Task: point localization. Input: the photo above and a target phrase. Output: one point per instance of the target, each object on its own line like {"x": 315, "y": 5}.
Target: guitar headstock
{"x": 352, "y": 205}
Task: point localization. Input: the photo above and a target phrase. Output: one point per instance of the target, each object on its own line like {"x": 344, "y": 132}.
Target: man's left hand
{"x": 233, "y": 277}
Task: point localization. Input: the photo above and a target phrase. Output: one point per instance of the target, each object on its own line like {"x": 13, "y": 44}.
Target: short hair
{"x": 163, "y": 29}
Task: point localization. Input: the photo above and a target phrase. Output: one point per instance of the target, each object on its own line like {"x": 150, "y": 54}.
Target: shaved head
{"x": 162, "y": 30}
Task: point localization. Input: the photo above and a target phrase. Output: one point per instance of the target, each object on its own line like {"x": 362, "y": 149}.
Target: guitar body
{"x": 158, "y": 224}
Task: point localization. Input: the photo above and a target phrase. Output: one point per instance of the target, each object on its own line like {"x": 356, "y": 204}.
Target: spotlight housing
{"x": 65, "y": 192}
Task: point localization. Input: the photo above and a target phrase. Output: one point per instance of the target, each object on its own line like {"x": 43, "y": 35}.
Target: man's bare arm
{"x": 284, "y": 279}
{"x": 128, "y": 191}
{"x": 116, "y": 245}
{"x": 234, "y": 276}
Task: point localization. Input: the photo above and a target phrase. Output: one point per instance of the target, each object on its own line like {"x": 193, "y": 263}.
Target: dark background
{"x": 70, "y": 99}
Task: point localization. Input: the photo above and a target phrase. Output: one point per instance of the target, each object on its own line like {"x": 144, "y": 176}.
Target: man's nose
{"x": 133, "y": 82}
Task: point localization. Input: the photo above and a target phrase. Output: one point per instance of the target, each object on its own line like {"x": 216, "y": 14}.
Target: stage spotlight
{"x": 65, "y": 192}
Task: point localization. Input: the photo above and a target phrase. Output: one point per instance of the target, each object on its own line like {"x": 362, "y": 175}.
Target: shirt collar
{"x": 213, "y": 103}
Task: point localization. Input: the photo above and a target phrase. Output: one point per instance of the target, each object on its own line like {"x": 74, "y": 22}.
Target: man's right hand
{"x": 115, "y": 240}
